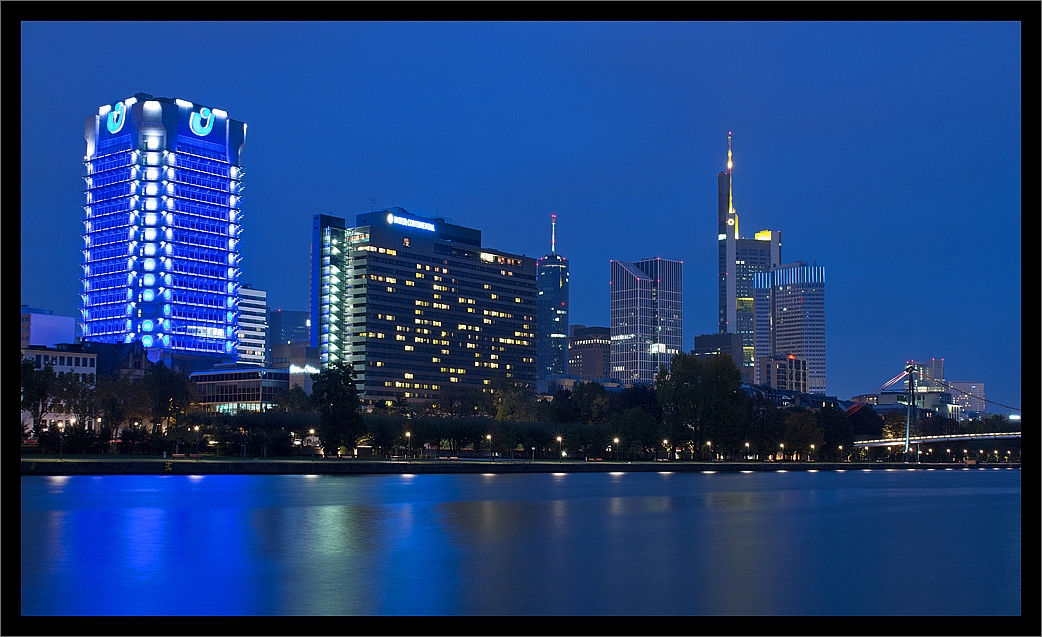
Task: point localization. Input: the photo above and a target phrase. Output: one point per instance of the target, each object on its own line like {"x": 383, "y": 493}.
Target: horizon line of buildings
{"x": 415, "y": 304}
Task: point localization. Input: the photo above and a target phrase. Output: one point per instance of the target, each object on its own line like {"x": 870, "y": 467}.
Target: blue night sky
{"x": 889, "y": 153}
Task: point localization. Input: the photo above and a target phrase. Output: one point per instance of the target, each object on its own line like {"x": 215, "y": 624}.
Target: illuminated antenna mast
{"x": 553, "y": 234}
{"x": 730, "y": 189}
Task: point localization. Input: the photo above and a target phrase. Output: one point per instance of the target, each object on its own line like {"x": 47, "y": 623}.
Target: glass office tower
{"x": 162, "y": 222}
{"x": 647, "y": 313}
{"x": 790, "y": 317}
{"x": 738, "y": 260}
{"x": 552, "y": 273}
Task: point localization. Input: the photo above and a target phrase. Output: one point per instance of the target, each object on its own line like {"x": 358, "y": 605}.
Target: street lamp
{"x": 408, "y": 437}
{"x": 811, "y": 453}
{"x": 197, "y": 440}
{"x": 615, "y": 447}
{"x": 489, "y": 438}
{"x": 709, "y": 443}
{"x": 782, "y": 447}
{"x": 61, "y": 441}
{"x": 560, "y": 449}
{"x": 665, "y": 444}
{"x": 747, "y": 450}
{"x": 841, "y": 452}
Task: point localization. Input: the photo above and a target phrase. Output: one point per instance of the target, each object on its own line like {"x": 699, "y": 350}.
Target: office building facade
{"x": 236, "y": 389}
{"x": 646, "y": 317}
{"x": 783, "y": 373}
{"x": 552, "y": 339}
{"x": 285, "y": 327}
{"x": 162, "y": 223}
{"x": 969, "y": 395}
{"x": 417, "y": 305}
{"x": 738, "y": 261}
{"x": 727, "y": 345}
{"x": 589, "y": 352}
{"x": 300, "y": 359}
{"x": 46, "y": 329}
{"x": 253, "y": 328}
{"x": 929, "y": 375}
{"x": 790, "y": 317}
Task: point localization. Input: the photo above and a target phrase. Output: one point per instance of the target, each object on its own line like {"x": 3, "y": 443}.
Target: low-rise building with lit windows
{"x": 64, "y": 358}
{"x": 418, "y": 304}
{"x": 240, "y": 388}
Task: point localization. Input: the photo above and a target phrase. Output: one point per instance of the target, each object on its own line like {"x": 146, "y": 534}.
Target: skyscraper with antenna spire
{"x": 552, "y": 320}
{"x": 739, "y": 260}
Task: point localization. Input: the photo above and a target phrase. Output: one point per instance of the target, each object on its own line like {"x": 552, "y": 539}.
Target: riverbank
{"x": 68, "y": 466}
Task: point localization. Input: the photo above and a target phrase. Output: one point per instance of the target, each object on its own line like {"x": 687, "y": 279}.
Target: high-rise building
{"x": 646, "y": 317}
{"x": 253, "y": 308}
{"x": 969, "y": 395}
{"x": 285, "y": 327}
{"x": 739, "y": 259}
{"x": 790, "y": 317}
{"x": 46, "y": 329}
{"x": 589, "y": 352}
{"x": 929, "y": 375}
{"x": 417, "y": 305}
{"x": 161, "y": 228}
{"x": 552, "y": 335}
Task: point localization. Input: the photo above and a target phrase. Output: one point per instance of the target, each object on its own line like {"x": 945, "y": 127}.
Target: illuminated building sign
{"x": 116, "y": 118}
{"x": 411, "y": 223}
{"x": 196, "y": 122}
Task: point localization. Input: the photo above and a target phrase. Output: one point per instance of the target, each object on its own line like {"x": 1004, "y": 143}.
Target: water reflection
{"x": 648, "y": 543}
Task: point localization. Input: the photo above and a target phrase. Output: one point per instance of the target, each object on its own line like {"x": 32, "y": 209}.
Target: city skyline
{"x": 886, "y": 160}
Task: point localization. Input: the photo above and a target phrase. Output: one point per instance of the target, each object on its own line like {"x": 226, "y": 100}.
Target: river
{"x": 880, "y": 542}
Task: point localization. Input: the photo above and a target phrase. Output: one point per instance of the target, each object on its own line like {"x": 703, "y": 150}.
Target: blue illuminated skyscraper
{"x": 161, "y": 228}
{"x": 552, "y": 335}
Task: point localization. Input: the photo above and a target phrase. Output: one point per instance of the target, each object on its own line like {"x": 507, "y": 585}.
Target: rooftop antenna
{"x": 730, "y": 177}
{"x": 553, "y": 234}
{"x": 373, "y": 200}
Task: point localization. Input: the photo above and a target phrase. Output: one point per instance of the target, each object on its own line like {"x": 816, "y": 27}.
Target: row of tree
{"x": 160, "y": 396}
{"x": 697, "y": 406}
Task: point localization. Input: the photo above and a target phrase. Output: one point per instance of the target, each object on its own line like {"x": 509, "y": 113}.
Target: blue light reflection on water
{"x": 636, "y": 543}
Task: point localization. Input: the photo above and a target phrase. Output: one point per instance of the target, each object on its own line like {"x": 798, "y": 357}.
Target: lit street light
{"x": 560, "y": 449}
{"x": 61, "y": 441}
{"x": 747, "y": 450}
{"x": 709, "y": 443}
{"x": 665, "y": 443}
{"x": 615, "y": 448}
{"x": 782, "y": 446}
{"x": 811, "y": 453}
{"x": 408, "y": 437}
{"x": 489, "y": 438}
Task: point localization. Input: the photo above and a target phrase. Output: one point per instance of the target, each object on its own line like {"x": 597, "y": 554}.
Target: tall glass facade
{"x": 162, "y": 223}
{"x": 738, "y": 260}
{"x": 790, "y": 317}
{"x": 647, "y": 312}
{"x": 552, "y": 341}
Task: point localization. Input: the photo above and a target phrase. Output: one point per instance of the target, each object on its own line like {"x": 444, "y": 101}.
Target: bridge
{"x": 937, "y": 440}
